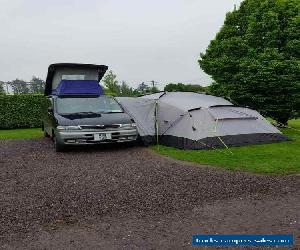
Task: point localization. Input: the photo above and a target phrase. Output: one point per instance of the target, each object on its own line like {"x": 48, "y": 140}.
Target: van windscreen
{"x": 102, "y": 104}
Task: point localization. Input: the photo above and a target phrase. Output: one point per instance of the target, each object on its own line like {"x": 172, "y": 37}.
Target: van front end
{"x": 95, "y": 134}
{"x": 88, "y": 120}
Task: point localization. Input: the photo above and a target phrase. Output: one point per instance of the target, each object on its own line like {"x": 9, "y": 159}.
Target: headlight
{"x": 68, "y": 128}
{"x": 128, "y": 125}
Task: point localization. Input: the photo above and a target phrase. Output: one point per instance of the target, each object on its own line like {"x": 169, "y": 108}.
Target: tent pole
{"x": 156, "y": 124}
{"x": 221, "y": 138}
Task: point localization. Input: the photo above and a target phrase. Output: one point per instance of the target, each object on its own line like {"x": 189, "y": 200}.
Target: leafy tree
{"x": 111, "y": 83}
{"x": 126, "y": 90}
{"x": 184, "y": 87}
{"x": 108, "y": 92}
{"x": 143, "y": 88}
{"x": 19, "y": 86}
{"x": 37, "y": 85}
{"x": 153, "y": 90}
{"x": 254, "y": 59}
{"x": 174, "y": 87}
{"x": 2, "y": 91}
{"x": 113, "y": 88}
{"x": 136, "y": 92}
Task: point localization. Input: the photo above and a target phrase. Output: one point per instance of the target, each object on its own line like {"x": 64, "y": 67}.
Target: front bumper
{"x": 84, "y": 137}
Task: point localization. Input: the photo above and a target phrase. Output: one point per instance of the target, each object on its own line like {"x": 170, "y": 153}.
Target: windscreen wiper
{"x": 76, "y": 115}
{"x": 112, "y": 112}
{"x": 82, "y": 113}
{"x": 86, "y": 113}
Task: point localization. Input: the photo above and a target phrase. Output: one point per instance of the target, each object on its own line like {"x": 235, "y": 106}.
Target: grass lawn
{"x": 277, "y": 158}
{"x": 26, "y": 133}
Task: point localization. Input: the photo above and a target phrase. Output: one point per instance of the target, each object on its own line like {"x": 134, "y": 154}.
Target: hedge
{"x": 21, "y": 111}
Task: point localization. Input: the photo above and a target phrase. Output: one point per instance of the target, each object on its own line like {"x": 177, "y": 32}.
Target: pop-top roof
{"x": 56, "y": 71}
{"x": 78, "y": 88}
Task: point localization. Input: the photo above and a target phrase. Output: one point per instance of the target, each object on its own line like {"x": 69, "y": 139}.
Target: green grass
{"x": 276, "y": 158}
{"x": 27, "y": 133}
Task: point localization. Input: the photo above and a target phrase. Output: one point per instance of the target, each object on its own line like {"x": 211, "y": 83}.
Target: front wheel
{"x": 46, "y": 134}
{"x": 57, "y": 145}
{"x": 44, "y": 131}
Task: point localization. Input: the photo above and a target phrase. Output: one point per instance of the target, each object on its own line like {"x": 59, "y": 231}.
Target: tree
{"x": 143, "y": 88}
{"x": 184, "y": 87}
{"x": 153, "y": 90}
{"x": 174, "y": 87}
{"x": 19, "y": 86}
{"x": 194, "y": 88}
{"x": 126, "y": 90}
{"x": 111, "y": 83}
{"x": 37, "y": 85}
{"x": 2, "y": 91}
{"x": 254, "y": 59}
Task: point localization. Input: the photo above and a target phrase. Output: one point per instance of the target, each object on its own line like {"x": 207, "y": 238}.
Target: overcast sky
{"x": 140, "y": 40}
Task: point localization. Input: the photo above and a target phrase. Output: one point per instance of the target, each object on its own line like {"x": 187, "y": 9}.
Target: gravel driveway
{"x": 131, "y": 198}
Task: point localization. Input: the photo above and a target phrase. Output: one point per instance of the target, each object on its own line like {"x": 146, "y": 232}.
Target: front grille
{"x": 100, "y": 127}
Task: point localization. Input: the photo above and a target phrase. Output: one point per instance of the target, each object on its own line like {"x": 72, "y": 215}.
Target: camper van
{"x": 77, "y": 111}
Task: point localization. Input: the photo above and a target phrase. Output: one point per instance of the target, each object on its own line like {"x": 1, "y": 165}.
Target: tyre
{"x": 45, "y": 133}
{"x": 57, "y": 145}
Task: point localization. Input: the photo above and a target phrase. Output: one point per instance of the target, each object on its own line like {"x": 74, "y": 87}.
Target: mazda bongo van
{"x": 78, "y": 112}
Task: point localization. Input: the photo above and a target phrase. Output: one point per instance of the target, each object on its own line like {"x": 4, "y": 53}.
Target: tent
{"x": 197, "y": 121}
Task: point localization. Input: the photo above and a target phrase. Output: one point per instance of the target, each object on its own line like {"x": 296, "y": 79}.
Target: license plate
{"x": 99, "y": 137}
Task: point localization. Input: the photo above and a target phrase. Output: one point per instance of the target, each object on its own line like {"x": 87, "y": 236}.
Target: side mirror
{"x": 50, "y": 110}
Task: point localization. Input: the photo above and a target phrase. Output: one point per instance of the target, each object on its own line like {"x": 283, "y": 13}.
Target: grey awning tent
{"x": 197, "y": 121}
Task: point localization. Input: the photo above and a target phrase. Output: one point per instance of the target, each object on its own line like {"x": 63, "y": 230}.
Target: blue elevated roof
{"x": 78, "y": 87}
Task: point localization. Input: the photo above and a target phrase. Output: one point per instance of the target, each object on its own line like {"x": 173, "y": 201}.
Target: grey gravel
{"x": 127, "y": 197}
